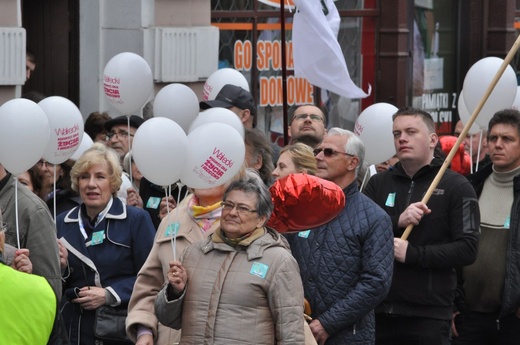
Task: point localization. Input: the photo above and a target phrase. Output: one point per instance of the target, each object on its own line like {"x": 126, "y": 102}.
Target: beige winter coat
{"x": 238, "y": 295}
{"x": 152, "y": 276}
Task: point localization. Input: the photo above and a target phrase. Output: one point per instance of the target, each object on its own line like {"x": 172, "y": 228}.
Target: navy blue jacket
{"x": 346, "y": 268}
{"x": 112, "y": 264}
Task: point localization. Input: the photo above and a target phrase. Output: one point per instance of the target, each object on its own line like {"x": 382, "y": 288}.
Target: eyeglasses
{"x": 328, "y": 152}
{"x": 313, "y": 117}
{"x": 41, "y": 163}
{"x": 120, "y": 134}
{"x": 242, "y": 210}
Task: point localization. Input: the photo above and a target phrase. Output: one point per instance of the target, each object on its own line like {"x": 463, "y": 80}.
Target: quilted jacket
{"x": 346, "y": 268}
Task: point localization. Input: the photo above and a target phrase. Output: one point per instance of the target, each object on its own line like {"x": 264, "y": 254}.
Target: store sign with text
{"x": 440, "y": 106}
{"x": 269, "y": 65}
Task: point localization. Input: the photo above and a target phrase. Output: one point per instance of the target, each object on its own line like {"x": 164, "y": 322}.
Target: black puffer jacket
{"x": 346, "y": 268}
{"x": 447, "y": 238}
{"x": 511, "y": 294}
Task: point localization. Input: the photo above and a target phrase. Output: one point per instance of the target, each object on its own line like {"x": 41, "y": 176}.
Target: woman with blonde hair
{"x": 295, "y": 158}
{"x": 107, "y": 242}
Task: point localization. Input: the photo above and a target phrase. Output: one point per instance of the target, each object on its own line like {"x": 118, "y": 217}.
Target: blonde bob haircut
{"x": 302, "y": 157}
{"x": 98, "y": 154}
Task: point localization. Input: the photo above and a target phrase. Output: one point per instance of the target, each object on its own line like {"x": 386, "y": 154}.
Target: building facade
{"x": 409, "y": 52}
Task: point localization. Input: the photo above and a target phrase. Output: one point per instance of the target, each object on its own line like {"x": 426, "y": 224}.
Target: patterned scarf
{"x": 205, "y": 216}
{"x": 220, "y": 237}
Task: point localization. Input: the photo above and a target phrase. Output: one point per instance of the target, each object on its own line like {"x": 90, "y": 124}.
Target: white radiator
{"x": 185, "y": 54}
{"x": 12, "y": 56}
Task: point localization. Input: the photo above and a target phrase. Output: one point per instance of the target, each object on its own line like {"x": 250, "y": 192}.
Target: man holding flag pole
{"x": 419, "y": 306}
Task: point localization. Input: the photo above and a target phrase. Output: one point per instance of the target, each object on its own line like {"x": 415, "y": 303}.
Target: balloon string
{"x": 364, "y": 179}
{"x": 471, "y": 155}
{"x": 167, "y": 193}
{"x": 16, "y": 211}
{"x": 478, "y": 151}
{"x": 173, "y": 239}
{"x": 54, "y": 194}
{"x": 177, "y": 218}
{"x": 129, "y": 149}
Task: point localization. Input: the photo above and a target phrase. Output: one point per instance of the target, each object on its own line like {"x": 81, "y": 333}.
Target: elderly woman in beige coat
{"x": 197, "y": 217}
{"x": 241, "y": 285}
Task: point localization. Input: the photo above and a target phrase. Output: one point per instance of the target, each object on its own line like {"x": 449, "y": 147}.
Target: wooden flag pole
{"x": 465, "y": 131}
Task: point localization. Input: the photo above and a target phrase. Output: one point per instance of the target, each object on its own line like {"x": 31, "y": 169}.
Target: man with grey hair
{"x": 346, "y": 264}
{"x": 419, "y": 306}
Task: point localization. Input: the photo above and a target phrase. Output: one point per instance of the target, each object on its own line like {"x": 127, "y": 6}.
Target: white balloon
{"x": 476, "y": 82}
{"x": 24, "y": 134}
{"x": 219, "y": 115}
{"x": 215, "y": 155}
{"x": 66, "y": 124}
{"x": 516, "y": 102}
{"x": 86, "y": 143}
{"x": 374, "y": 127}
{"x": 464, "y": 115}
{"x": 159, "y": 150}
{"x": 177, "y": 102}
{"x": 127, "y": 82}
{"x": 222, "y": 77}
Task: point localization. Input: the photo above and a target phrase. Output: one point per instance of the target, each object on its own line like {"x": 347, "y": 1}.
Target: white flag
{"x": 316, "y": 52}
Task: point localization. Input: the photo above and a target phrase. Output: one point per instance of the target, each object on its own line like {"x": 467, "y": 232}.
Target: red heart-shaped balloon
{"x": 303, "y": 202}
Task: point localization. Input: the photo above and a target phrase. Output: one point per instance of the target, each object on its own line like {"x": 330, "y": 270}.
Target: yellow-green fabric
{"x": 27, "y": 308}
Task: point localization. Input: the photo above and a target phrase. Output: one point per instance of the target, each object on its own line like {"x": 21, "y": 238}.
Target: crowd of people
{"x": 107, "y": 241}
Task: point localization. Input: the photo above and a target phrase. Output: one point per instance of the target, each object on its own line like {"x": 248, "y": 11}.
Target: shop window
{"x": 250, "y": 41}
{"x": 434, "y": 57}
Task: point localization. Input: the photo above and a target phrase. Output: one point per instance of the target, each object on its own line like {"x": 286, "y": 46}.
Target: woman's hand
{"x": 177, "y": 277}
{"x": 64, "y": 255}
{"x": 133, "y": 198}
{"x": 90, "y": 297}
{"x": 21, "y": 261}
{"x": 163, "y": 210}
{"x": 145, "y": 339}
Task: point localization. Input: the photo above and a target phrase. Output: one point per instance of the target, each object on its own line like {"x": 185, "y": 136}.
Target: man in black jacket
{"x": 418, "y": 308}
{"x": 491, "y": 284}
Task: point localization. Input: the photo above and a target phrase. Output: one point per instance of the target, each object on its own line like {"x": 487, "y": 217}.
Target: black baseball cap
{"x": 231, "y": 96}
{"x": 135, "y": 121}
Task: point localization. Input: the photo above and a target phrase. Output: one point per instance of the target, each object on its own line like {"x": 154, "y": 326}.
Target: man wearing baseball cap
{"x": 118, "y": 137}
{"x": 237, "y": 100}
